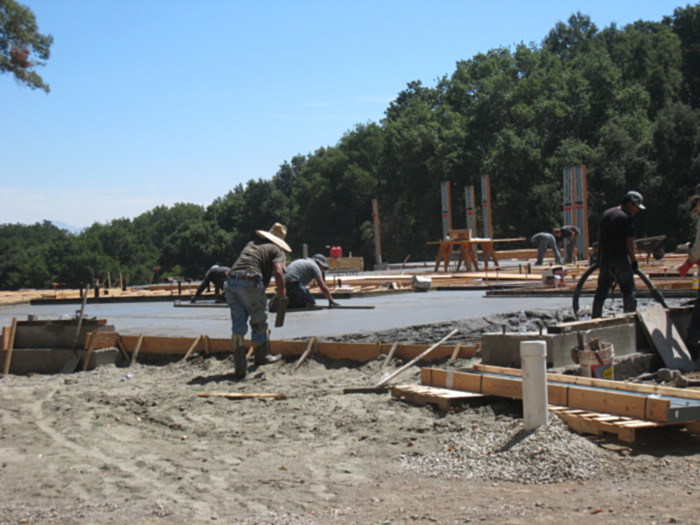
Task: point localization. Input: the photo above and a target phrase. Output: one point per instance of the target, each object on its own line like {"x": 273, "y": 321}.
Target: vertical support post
{"x": 486, "y": 205}
{"x": 446, "y": 208}
{"x": 533, "y": 358}
{"x": 469, "y": 200}
{"x": 576, "y": 205}
{"x": 581, "y": 215}
{"x": 377, "y": 238}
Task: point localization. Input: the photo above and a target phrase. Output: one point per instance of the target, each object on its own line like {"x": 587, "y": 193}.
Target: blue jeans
{"x": 299, "y": 296}
{"x": 569, "y": 250}
{"x": 542, "y": 245}
{"x": 247, "y": 299}
{"x": 623, "y": 274}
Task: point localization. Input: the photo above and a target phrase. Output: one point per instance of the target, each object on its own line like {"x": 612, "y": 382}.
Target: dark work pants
{"x": 623, "y": 274}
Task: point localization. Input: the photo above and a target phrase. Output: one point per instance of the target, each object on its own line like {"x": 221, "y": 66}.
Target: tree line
{"x": 623, "y": 101}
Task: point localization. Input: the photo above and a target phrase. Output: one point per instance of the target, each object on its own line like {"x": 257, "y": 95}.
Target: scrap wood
{"x": 242, "y": 395}
{"x": 422, "y": 395}
{"x": 598, "y": 424}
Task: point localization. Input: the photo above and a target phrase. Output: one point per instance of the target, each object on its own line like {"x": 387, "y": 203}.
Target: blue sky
{"x": 163, "y": 101}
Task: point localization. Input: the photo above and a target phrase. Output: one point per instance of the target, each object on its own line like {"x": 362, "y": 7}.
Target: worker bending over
{"x": 299, "y": 274}
{"x": 215, "y": 275}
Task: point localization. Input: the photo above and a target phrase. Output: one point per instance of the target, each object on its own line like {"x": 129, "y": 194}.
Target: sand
{"x": 101, "y": 447}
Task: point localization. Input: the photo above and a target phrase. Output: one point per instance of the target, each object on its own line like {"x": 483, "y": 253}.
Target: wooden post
{"x": 455, "y": 353}
{"x": 10, "y": 346}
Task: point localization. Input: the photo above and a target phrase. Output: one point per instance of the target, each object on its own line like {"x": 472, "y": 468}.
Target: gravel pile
{"x": 504, "y": 451}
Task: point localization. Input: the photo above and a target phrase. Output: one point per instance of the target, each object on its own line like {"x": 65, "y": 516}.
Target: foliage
{"x": 622, "y": 101}
{"x": 22, "y": 47}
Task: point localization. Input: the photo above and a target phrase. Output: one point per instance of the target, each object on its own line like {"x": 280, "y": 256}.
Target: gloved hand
{"x": 635, "y": 266}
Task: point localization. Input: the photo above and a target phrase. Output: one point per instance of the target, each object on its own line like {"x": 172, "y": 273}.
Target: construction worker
{"x": 693, "y": 331}
{"x": 215, "y": 275}
{"x": 245, "y": 294}
{"x": 616, "y": 253}
{"x": 299, "y": 274}
{"x": 569, "y": 234}
{"x": 544, "y": 240}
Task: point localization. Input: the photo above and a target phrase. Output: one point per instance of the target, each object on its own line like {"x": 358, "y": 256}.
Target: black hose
{"x": 655, "y": 293}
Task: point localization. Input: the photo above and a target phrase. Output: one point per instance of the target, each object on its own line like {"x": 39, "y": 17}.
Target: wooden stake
{"x": 10, "y": 346}
{"x": 194, "y": 345}
{"x": 455, "y": 353}
{"x": 136, "y": 350}
{"x": 390, "y": 354}
{"x": 307, "y": 352}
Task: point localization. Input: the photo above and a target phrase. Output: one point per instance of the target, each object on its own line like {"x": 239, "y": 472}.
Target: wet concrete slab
{"x": 390, "y": 311}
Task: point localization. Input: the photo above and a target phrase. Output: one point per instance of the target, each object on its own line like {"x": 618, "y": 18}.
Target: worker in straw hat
{"x": 245, "y": 294}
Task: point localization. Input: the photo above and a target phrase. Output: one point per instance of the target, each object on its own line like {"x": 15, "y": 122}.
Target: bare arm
{"x": 278, "y": 272}
{"x": 324, "y": 289}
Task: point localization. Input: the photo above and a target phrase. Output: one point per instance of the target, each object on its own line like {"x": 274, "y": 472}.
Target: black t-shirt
{"x": 569, "y": 231}
{"x": 614, "y": 230}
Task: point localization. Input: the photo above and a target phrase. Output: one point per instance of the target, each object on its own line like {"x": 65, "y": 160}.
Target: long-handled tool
{"x": 380, "y": 387}
{"x": 72, "y": 363}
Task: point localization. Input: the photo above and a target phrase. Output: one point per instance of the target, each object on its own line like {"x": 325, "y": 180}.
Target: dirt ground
{"x": 104, "y": 447}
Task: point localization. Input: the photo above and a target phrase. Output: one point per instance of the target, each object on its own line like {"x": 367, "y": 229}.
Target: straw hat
{"x": 276, "y": 235}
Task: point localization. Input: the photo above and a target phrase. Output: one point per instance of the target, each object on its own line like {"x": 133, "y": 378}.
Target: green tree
{"x": 22, "y": 47}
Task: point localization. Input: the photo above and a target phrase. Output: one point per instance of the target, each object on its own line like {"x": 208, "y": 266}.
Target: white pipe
{"x": 533, "y": 358}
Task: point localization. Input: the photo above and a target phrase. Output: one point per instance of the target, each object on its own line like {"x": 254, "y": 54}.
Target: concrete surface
{"x": 391, "y": 311}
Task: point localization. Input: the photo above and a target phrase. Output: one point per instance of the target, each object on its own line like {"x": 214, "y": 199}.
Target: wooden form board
{"x": 617, "y": 403}
{"x": 355, "y": 351}
{"x": 665, "y": 339}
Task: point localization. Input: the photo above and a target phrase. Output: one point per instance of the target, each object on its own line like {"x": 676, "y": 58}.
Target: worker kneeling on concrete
{"x": 298, "y": 275}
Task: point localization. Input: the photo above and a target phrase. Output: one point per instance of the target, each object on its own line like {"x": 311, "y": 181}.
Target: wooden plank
{"x": 686, "y": 393}
{"x": 102, "y": 340}
{"x": 242, "y": 395}
{"x": 502, "y": 386}
{"x": 10, "y": 347}
{"x": 445, "y": 399}
{"x": 665, "y": 339}
{"x": 605, "y": 401}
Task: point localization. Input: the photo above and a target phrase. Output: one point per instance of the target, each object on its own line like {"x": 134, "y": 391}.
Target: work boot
{"x": 262, "y": 354}
{"x": 240, "y": 363}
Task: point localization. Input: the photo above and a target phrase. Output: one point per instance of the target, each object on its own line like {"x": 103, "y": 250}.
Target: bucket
{"x": 548, "y": 278}
{"x": 336, "y": 251}
{"x": 596, "y": 364}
